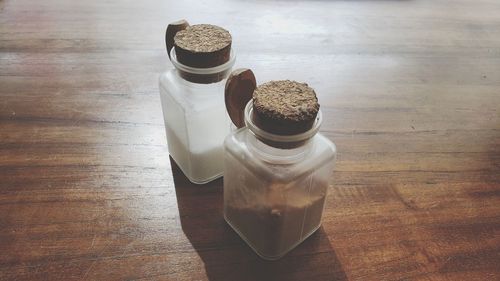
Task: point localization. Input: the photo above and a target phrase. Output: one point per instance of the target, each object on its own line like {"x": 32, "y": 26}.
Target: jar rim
{"x": 202, "y": 71}
{"x": 280, "y": 138}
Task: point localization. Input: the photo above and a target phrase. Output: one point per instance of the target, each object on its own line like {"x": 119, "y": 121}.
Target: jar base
{"x": 274, "y": 257}
{"x": 197, "y": 181}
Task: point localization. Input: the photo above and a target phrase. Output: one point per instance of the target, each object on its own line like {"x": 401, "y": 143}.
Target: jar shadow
{"x": 227, "y": 257}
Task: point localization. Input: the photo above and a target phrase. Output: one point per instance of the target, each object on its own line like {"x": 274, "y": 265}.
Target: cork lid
{"x": 203, "y": 45}
{"x": 285, "y": 107}
{"x": 203, "y": 38}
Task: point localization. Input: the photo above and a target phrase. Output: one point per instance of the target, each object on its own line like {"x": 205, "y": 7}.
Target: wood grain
{"x": 410, "y": 92}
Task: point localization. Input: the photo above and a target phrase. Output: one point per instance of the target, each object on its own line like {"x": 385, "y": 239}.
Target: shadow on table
{"x": 225, "y": 254}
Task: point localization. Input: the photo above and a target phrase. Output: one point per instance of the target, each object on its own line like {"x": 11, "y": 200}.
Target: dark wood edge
{"x": 172, "y": 29}
{"x": 237, "y": 93}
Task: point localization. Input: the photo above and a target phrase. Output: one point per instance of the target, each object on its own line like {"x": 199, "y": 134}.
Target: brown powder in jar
{"x": 274, "y": 227}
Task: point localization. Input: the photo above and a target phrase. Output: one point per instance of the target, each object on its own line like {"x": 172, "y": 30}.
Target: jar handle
{"x": 238, "y": 92}
{"x": 172, "y": 29}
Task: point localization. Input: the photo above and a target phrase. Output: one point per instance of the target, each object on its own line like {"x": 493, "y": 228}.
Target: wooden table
{"x": 410, "y": 92}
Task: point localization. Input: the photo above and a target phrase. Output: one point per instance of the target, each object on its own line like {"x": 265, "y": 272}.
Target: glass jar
{"x": 195, "y": 117}
{"x": 275, "y": 185}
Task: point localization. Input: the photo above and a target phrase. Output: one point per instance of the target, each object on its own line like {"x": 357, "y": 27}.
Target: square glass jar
{"x": 196, "y": 121}
{"x": 273, "y": 196}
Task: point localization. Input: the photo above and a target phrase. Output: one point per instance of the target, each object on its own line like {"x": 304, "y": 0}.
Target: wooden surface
{"x": 410, "y": 92}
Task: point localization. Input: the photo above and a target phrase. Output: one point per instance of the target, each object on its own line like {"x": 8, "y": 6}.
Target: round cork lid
{"x": 203, "y": 45}
{"x": 285, "y": 107}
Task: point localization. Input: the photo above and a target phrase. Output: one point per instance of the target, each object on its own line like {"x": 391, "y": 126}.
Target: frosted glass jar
{"x": 274, "y": 197}
{"x": 195, "y": 117}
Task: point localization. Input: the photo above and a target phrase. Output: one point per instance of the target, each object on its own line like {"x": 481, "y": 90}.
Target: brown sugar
{"x": 276, "y": 225}
{"x": 203, "y": 45}
{"x": 285, "y": 107}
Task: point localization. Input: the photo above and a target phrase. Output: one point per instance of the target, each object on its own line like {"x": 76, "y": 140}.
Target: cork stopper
{"x": 202, "y": 45}
{"x": 285, "y": 107}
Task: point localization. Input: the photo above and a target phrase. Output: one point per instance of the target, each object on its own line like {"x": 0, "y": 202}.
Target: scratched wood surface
{"x": 411, "y": 96}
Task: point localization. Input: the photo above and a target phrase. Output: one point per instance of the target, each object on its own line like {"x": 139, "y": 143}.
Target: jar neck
{"x": 275, "y": 152}
{"x": 293, "y": 143}
{"x": 204, "y": 78}
{"x": 203, "y": 75}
